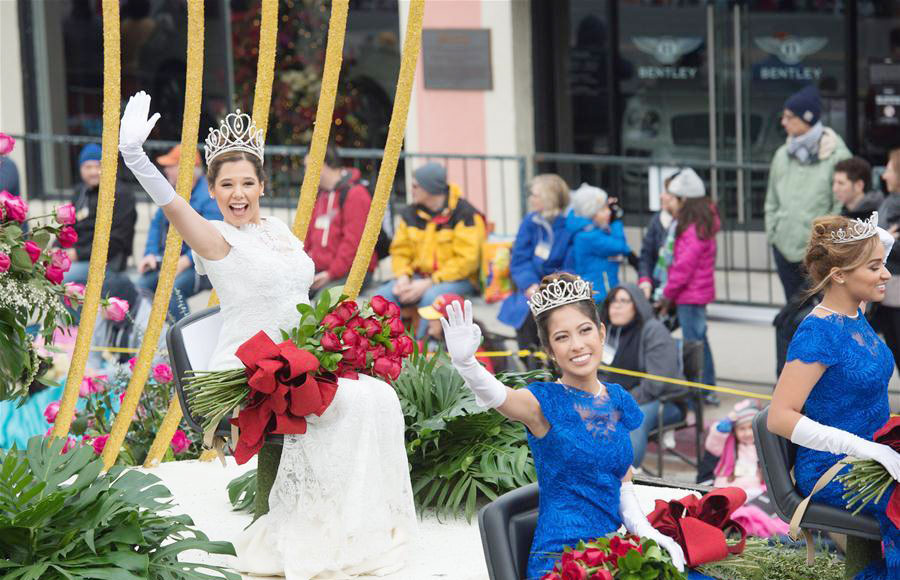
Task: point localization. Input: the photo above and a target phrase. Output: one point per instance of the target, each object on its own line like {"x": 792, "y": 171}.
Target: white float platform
{"x": 447, "y": 549}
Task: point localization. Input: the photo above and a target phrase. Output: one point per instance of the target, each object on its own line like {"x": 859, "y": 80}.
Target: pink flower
{"x": 131, "y": 362}
{"x": 65, "y": 214}
{"x": 54, "y": 274}
{"x": 99, "y": 443}
{"x": 379, "y": 305}
{"x": 34, "y": 251}
{"x": 115, "y": 309}
{"x": 87, "y": 387}
{"x": 180, "y": 442}
{"x": 86, "y": 439}
{"x": 4, "y": 262}
{"x": 121, "y": 397}
{"x": 73, "y": 292}
{"x": 51, "y": 411}
{"x": 67, "y": 237}
{"x": 60, "y": 259}
{"x": 162, "y": 373}
{"x": 16, "y": 208}
{"x": 98, "y": 383}
{"x": 6, "y": 144}
{"x": 71, "y": 443}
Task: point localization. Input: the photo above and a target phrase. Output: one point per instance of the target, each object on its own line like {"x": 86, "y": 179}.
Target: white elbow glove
{"x": 636, "y": 522}
{"x": 463, "y": 337}
{"x": 133, "y": 131}
{"x": 809, "y": 433}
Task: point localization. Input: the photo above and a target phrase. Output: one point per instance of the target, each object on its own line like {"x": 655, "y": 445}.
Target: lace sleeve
{"x": 632, "y": 416}
{"x": 815, "y": 341}
{"x": 227, "y": 233}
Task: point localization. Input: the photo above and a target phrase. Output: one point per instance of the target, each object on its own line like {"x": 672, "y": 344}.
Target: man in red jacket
{"x": 337, "y": 222}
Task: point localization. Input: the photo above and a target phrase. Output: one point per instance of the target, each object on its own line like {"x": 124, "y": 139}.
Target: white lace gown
{"x": 341, "y": 504}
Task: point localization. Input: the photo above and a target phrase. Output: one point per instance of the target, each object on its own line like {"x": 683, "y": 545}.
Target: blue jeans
{"x": 115, "y": 283}
{"x": 461, "y": 287}
{"x": 671, "y": 414}
{"x": 187, "y": 283}
{"x": 692, "y": 318}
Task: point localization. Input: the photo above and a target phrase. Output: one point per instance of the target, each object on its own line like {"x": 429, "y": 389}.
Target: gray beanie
{"x": 588, "y": 200}
{"x": 432, "y": 177}
{"x": 687, "y": 184}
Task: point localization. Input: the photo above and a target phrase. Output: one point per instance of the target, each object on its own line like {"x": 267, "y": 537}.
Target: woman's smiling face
{"x": 237, "y": 190}
{"x": 576, "y": 343}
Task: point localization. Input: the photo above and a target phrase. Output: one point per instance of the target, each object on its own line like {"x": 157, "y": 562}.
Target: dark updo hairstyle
{"x": 215, "y": 166}
{"x": 824, "y": 257}
{"x": 586, "y": 307}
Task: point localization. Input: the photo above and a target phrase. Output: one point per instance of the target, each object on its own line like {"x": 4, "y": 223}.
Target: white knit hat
{"x": 687, "y": 184}
{"x": 587, "y": 200}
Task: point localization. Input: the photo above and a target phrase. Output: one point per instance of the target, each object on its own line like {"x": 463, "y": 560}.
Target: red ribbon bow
{"x": 283, "y": 390}
{"x": 889, "y": 435}
{"x": 700, "y": 525}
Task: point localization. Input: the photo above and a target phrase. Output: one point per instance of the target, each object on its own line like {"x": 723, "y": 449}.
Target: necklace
{"x": 823, "y": 307}
{"x": 600, "y": 392}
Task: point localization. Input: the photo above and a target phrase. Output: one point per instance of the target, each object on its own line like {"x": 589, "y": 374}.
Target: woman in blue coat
{"x": 541, "y": 247}
{"x": 598, "y": 245}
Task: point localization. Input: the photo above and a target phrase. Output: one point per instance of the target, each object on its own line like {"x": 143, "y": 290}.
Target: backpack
{"x": 383, "y": 244}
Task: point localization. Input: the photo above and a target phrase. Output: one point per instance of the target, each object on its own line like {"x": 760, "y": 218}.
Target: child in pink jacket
{"x": 690, "y": 278}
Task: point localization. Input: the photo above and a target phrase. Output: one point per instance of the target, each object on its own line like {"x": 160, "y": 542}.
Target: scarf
{"x": 805, "y": 148}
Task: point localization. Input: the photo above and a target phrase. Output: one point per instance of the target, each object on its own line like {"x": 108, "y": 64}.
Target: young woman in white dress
{"x": 342, "y": 502}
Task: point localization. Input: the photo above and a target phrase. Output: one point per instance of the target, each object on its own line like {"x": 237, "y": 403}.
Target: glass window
{"x": 878, "y": 94}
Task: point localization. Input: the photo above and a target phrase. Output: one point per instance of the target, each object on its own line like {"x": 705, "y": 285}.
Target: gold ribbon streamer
{"x": 324, "y": 117}
{"x": 189, "y": 129}
{"x": 405, "y": 79}
{"x": 100, "y": 246}
{"x": 265, "y": 74}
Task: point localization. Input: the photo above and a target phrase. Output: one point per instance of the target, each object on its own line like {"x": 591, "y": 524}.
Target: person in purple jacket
{"x": 690, "y": 278}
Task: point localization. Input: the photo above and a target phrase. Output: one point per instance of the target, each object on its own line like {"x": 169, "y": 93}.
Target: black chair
{"x": 692, "y": 400}
{"x": 776, "y": 456}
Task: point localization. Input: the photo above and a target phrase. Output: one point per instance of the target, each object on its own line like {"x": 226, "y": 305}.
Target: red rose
{"x": 602, "y": 574}
{"x": 594, "y": 557}
{"x": 357, "y": 324}
{"x": 34, "y": 251}
{"x": 67, "y": 237}
{"x": 371, "y": 326}
{"x": 331, "y": 342}
{"x": 332, "y": 321}
{"x": 403, "y": 345}
{"x": 393, "y": 311}
{"x": 346, "y": 310}
{"x": 396, "y": 326}
{"x": 396, "y": 369}
{"x": 355, "y": 355}
{"x": 571, "y": 556}
{"x": 383, "y": 366}
{"x": 573, "y": 571}
{"x": 351, "y": 337}
{"x": 379, "y": 305}
{"x": 4, "y": 262}
{"x": 54, "y": 275}
{"x": 378, "y": 351}
{"x": 551, "y": 576}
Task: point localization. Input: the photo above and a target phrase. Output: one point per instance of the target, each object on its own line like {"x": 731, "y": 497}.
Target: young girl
{"x": 832, "y": 394}
{"x": 732, "y": 441}
{"x": 578, "y": 427}
{"x": 690, "y": 279}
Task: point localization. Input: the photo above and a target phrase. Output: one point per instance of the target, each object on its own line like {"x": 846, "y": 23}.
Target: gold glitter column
{"x": 112, "y": 69}
{"x": 189, "y": 128}
{"x": 405, "y": 79}
{"x": 324, "y": 116}
{"x": 265, "y": 74}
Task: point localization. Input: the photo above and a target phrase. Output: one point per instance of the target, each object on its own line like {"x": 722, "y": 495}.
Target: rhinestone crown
{"x": 559, "y": 293}
{"x": 858, "y": 230}
{"x": 237, "y": 132}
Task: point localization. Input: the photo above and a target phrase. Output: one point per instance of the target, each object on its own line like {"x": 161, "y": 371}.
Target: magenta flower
{"x": 115, "y": 309}
{"x": 162, "y": 373}
{"x": 86, "y": 388}
{"x": 67, "y": 237}
{"x": 4, "y": 262}
{"x": 99, "y": 443}
{"x": 180, "y": 442}
{"x": 34, "y": 251}
{"x": 60, "y": 259}
{"x": 16, "y": 208}
{"x": 54, "y": 275}
{"x": 51, "y": 411}
{"x": 7, "y": 144}
{"x": 65, "y": 214}
{"x": 73, "y": 292}
{"x": 131, "y": 362}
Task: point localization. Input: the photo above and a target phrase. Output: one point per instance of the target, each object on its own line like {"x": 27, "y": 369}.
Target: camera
{"x": 615, "y": 210}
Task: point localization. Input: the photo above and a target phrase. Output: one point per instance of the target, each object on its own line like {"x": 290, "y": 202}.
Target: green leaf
{"x": 42, "y": 239}
{"x": 20, "y": 260}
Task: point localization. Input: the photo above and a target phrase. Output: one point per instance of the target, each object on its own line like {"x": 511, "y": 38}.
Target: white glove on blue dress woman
{"x": 463, "y": 337}
{"x": 636, "y": 522}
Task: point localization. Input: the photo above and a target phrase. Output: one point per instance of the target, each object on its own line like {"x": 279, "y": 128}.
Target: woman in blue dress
{"x": 832, "y": 394}
{"x": 578, "y": 427}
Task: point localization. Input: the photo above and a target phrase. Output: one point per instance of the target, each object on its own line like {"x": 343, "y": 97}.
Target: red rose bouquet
{"x": 614, "y": 557}
{"x": 867, "y": 480}
{"x": 282, "y": 383}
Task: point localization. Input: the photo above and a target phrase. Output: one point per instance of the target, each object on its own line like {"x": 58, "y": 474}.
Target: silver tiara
{"x": 858, "y": 230}
{"x": 237, "y": 132}
{"x": 559, "y": 293}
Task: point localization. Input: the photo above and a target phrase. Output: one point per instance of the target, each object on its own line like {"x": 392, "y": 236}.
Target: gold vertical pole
{"x": 112, "y": 69}
{"x": 411, "y": 46}
{"x": 189, "y": 128}
{"x": 324, "y": 116}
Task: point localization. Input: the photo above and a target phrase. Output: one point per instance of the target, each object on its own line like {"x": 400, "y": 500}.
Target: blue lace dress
{"x": 851, "y": 395}
{"x": 580, "y": 464}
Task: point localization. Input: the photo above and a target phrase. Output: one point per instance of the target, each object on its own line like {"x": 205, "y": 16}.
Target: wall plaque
{"x": 457, "y": 59}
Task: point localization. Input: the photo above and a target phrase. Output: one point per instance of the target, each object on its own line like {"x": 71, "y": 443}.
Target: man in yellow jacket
{"x": 437, "y": 243}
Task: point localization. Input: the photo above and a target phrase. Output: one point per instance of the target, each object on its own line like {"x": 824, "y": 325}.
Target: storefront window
{"x": 878, "y": 95}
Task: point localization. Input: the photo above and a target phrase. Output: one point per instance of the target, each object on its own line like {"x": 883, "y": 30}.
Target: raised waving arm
{"x": 196, "y": 230}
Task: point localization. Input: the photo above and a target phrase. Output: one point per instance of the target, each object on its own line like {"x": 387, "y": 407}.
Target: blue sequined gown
{"x": 851, "y": 395}
{"x": 580, "y": 464}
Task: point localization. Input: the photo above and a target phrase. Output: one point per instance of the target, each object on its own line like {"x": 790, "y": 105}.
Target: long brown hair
{"x": 699, "y": 212}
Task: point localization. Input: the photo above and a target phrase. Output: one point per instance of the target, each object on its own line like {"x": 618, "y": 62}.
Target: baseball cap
{"x": 438, "y": 308}
{"x": 174, "y": 156}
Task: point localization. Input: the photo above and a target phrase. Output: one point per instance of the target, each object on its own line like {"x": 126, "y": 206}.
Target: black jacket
{"x": 121, "y": 235}
{"x": 654, "y": 238}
